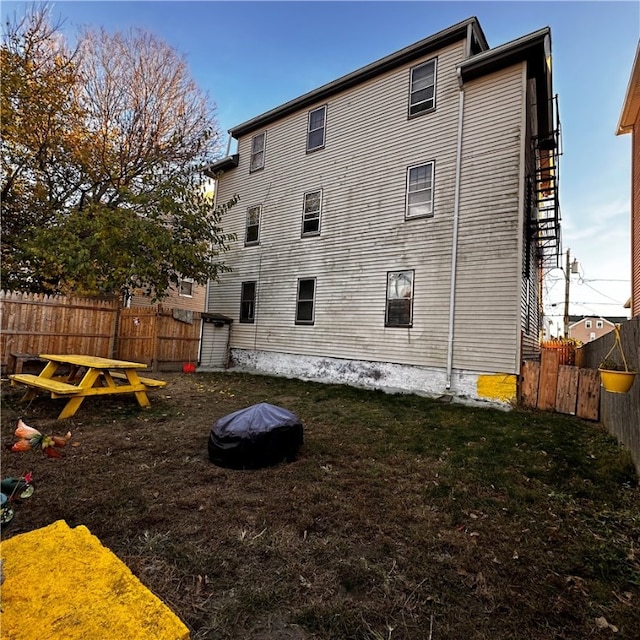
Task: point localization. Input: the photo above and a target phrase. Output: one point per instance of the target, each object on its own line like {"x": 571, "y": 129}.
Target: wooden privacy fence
{"x": 551, "y": 386}
{"x": 34, "y": 323}
{"x": 620, "y": 412}
{"x": 160, "y": 337}
{"x": 163, "y": 338}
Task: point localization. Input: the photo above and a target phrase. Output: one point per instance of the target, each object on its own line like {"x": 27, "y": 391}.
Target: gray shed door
{"x": 214, "y": 345}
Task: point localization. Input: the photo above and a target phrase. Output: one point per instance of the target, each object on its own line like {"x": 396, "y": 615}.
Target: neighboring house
{"x": 188, "y": 295}
{"x": 630, "y": 123}
{"x": 589, "y": 328}
{"x": 393, "y": 224}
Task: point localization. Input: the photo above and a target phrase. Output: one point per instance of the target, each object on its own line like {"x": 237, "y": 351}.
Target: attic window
{"x": 316, "y": 128}
{"x": 258, "y": 144}
{"x": 422, "y": 92}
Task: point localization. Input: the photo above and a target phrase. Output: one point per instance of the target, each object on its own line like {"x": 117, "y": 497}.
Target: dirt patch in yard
{"x": 401, "y": 517}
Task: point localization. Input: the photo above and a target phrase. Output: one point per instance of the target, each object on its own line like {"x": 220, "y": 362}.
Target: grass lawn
{"x": 402, "y": 518}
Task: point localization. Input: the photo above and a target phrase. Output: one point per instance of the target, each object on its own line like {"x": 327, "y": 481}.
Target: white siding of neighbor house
{"x": 364, "y": 234}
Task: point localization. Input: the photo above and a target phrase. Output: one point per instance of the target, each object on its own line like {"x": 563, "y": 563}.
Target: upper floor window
{"x": 599, "y": 324}
{"x": 186, "y": 287}
{"x": 587, "y": 324}
{"x": 248, "y": 302}
{"x": 399, "y": 299}
{"x": 419, "y": 196}
{"x": 258, "y": 144}
{"x": 422, "y": 93}
{"x": 316, "y": 128}
{"x": 253, "y": 225}
{"x": 306, "y": 301}
{"x": 311, "y": 213}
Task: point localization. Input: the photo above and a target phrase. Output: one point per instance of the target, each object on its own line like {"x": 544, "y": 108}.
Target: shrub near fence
{"x": 161, "y": 338}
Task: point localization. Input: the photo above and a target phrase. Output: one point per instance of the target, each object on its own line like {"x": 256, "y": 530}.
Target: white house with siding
{"x": 393, "y": 224}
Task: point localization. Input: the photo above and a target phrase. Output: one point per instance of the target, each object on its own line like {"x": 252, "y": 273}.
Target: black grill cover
{"x": 258, "y": 436}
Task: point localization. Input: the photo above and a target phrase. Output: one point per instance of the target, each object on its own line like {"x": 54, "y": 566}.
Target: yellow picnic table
{"x": 87, "y": 376}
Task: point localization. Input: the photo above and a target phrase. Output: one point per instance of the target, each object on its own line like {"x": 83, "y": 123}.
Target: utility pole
{"x": 567, "y": 279}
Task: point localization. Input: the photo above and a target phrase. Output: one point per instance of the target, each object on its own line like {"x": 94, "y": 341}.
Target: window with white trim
{"x": 422, "y": 90}
{"x": 248, "y": 302}
{"x": 599, "y": 324}
{"x": 587, "y": 324}
{"x": 186, "y": 288}
{"x": 311, "y": 210}
{"x": 399, "y": 312}
{"x": 253, "y": 225}
{"x": 258, "y": 146}
{"x": 316, "y": 128}
{"x": 305, "y": 302}
{"x": 419, "y": 193}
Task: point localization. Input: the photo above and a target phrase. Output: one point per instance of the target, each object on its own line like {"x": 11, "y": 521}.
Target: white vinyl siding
{"x": 365, "y": 233}
{"x": 489, "y": 273}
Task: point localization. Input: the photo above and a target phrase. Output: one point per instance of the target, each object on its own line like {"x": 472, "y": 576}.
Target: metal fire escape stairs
{"x": 544, "y": 203}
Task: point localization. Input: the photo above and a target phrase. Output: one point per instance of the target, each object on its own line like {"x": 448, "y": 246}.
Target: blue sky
{"x": 253, "y": 56}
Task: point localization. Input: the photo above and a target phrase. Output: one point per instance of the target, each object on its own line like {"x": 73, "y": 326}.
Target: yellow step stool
{"x": 63, "y": 583}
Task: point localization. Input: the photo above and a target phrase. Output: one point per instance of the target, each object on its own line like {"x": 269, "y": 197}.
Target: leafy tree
{"x": 102, "y": 148}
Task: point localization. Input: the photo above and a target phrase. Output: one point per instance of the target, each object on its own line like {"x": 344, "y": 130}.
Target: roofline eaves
{"x": 629, "y": 114}
{"x": 432, "y": 43}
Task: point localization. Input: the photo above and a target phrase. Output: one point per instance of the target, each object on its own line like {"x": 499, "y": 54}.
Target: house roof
{"x": 412, "y": 52}
{"x": 534, "y": 48}
{"x": 229, "y": 162}
{"x": 631, "y": 104}
{"x": 573, "y": 320}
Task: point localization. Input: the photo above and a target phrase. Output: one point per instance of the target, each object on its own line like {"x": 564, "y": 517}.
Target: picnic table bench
{"x": 88, "y": 376}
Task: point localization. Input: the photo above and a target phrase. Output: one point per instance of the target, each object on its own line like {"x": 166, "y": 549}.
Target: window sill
{"x": 315, "y": 149}
{"x": 413, "y": 116}
{"x": 426, "y": 216}
{"x": 310, "y": 234}
{"x": 398, "y": 326}
{"x": 241, "y": 321}
{"x": 305, "y": 323}
{"x": 252, "y": 244}
{"x": 258, "y": 170}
